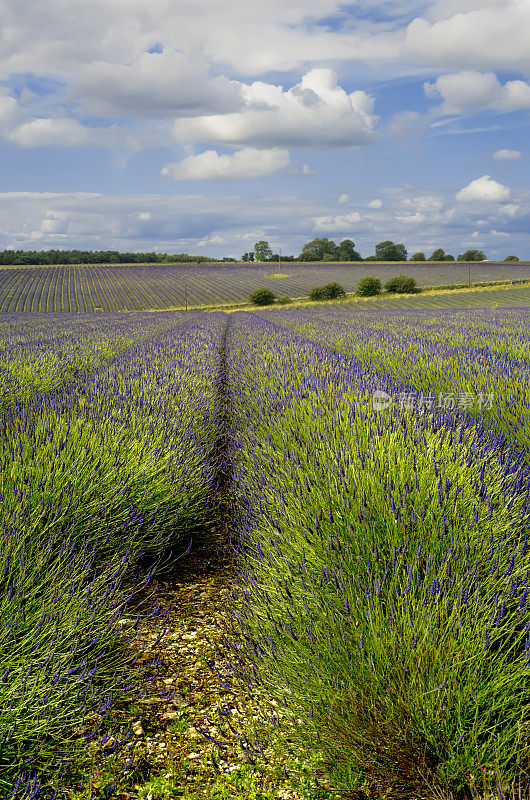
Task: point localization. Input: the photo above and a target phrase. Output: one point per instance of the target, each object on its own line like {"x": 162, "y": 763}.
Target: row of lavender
{"x": 133, "y": 287}
{"x": 385, "y": 570}
{"x": 96, "y": 473}
{"x": 39, "y": 354}
{"x": 476, "y": 361}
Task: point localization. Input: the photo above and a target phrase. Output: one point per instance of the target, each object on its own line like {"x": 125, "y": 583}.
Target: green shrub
{"x": 262, "y": 297}
{"x": 401, "y": 284}
{"x": 368, "y": 287}
{"x": 511, "y": 258}
{"x": 418, "y": 256}
{"x": 328, "y": 292}
{"x": 333, "y": 290}
{"x": 283, "y": 299}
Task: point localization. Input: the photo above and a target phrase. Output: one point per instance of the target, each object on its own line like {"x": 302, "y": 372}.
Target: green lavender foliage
{"x": 385, "y": 567}
{"x": 39, "y": 354}
{"x": 466, "y": 354}
{"x": 94, "y": 476}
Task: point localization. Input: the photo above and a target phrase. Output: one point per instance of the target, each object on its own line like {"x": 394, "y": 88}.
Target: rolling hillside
{"x": 160, "y": 286}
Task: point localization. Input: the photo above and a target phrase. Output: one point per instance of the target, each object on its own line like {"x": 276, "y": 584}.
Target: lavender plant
{"x": 39, "y": 354}
{"x": 384, "y": 566}
{"x": 113, "y": 467}
{"x": 471, "y": 354}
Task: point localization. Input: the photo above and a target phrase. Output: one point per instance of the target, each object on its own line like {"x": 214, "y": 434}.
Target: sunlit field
{"x": 375, "y": 469}
{"x": 106, "y": 460}
{"x": 161, "y": 286}
{"x": 387, "y": 564}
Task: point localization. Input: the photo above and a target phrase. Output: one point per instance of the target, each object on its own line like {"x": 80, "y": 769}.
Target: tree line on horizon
{"x": 38, "y": 257}
{"x": 320, "y": 249}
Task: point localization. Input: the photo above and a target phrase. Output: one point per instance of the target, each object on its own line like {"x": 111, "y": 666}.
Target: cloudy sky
{"x": 201, "y": 126}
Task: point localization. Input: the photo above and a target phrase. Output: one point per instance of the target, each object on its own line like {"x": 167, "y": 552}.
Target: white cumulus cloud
{"x": 263, "y": 36}
{"x": 55, "y": 222}
{"x": 375, "y": 203}
{"x": 316, "y": 112}
{"x": 510, "y": 209}
{"x": 65, "y": 132}
{"x": 504, "y": 234}
{"x": 411, "y": 219}
{"x": 155, "y": 85}
{"x": 484, "y": 188}
{"x": 342, "y": 222}
{"x": 471, "y": 33}
{"x": 246, "y": 163}
{"x": 470, "y": 91}
{"x": 507, "y": 155}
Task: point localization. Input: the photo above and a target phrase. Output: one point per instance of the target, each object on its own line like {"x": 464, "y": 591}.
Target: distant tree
{"x": 262, "y": 297}
{"x": 472, "y": 255}
{"x": 328, "y": 292}
{"x": 247, "y": 257}
{"x": 317, "y": 248}
{"x": 368, "y": 287}
{"x": 229, "y": 258}
{"x": 388, "y": 251}
{"x": 370, "y": 258}
{"x": 401, "y": 284}
{"x": 347, "y": 251}
{"x": 7, "y": 257}
{"x": 438, "y": 255}
{"x": 262, "y": 251}
{"x": 511, "y": 258}
{"x": 418, "y": 256}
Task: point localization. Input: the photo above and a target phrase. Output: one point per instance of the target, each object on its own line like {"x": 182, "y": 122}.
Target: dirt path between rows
{"x": 196, "y": 732}
{"x": 193, "y": 697}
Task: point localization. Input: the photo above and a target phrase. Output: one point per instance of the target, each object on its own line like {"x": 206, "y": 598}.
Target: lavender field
{"x": 374, "y": 466}
{"x": 136, "y": 287}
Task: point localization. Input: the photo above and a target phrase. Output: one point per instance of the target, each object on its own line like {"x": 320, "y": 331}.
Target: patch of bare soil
{"x": 193, "y": 594}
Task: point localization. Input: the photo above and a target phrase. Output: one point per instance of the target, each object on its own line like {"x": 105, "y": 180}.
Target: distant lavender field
{"x": 162, "y": 286}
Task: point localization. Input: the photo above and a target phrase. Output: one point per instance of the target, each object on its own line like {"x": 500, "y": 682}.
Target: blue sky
{"x": 180, "y": 125}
